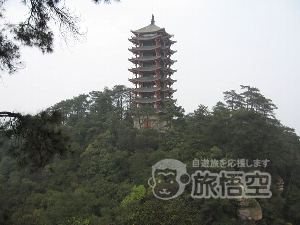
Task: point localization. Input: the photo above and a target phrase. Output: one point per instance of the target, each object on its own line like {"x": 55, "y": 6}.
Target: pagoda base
{"x": 140, "y": 122}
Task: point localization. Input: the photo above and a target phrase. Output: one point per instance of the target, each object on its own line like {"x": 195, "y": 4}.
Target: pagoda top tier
{"x": 152, "y": 28}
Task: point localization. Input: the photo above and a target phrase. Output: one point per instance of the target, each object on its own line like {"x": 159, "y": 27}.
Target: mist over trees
{"x": 102, "y": 177}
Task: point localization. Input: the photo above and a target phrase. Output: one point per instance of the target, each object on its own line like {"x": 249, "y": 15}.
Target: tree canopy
{"x": 103, "y": 177}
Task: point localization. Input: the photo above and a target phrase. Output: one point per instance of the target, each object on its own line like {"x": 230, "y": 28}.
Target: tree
{"x": 233, "y": 99}
{"x": 256, "y": 101}
{"x": 104, "y": 180}
{"x": 35, "y": 31}
{"x": 34, "y": 140}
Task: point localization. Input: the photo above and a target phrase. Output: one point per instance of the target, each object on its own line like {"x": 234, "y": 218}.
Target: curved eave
{"x": 151, "y": 90}
{"x": 144, "y": 59}
{"x": 148, "y": 30}
{"x": 165, "y": 47}
{"x": 144, "y": 48}
{"x": 151, "y": 100}
{"x": 169, "y": 50}
{"x": 151, "y": 58}
{"x": 150, "y": 80}
{"x": 143, "y": 80}
{"x": 169, "y": 69}
{"x": 145, "y": 90}
{"x": 169, "y": 80}
{"x": 172, "y": 62}
{"x": 168, "y": 90}
{"x": 168, "y": 59}
{"x": 152, "y": 68}
{"x": 135, "y": 39}
{"x": 144, "y": 69}
{"x": 169, "y": 39}
{"x": 145, "y": 100}
{"x": 167, "y": 36}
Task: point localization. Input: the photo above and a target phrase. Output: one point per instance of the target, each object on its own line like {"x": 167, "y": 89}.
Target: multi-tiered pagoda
{"x": 152, "y": 69}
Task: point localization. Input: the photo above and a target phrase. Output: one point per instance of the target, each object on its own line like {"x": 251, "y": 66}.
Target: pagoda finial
{"x": 152, "y": 21}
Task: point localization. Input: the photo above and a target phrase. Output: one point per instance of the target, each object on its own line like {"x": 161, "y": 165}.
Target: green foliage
{"x": 252, "y": 203}
{"x": 102, "y": 179}
{"x": 34, "y": 140}
{"x": 137, "y": 194}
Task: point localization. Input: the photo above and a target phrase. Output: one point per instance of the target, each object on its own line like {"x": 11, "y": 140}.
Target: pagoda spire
{"x": 152, "y": 21}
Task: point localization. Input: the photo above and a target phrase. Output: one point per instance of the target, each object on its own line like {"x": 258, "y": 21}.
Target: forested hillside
{"x": 99, "y": 173}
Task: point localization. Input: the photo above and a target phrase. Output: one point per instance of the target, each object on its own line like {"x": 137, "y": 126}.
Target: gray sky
{"x": 220, "y": 45}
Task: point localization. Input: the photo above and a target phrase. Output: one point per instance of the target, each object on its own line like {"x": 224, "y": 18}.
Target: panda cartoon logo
{"x": 167, "y": 179}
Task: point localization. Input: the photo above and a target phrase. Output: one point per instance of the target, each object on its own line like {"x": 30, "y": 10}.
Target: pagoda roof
{"x": 144, "y": 58}
{"x": 145, "y": 48}
{"x": 152, "y": 89}
{"x": 150, "y": 100}
{"x": 150, "y": 58}
{"x": 148, "y": 29}
{"x": 168, "y": 79}
{"x": 166, "y": 58}
{"x": 150, "y": 79}
{"x": 151, "y": 68}
{"x": 146, "y": 100}
{"x": 144, "y": 69}
{"x": 150, "y": 48}
{"x": 169, "y": 69}
{"x": 144, "y": 79}
{"x": 145, "y": 38}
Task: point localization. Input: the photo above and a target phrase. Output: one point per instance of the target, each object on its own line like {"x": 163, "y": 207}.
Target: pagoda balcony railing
{"x": 145, "y": 100}
{"x": 145, "y": 58}
{"x": 151, "y": 68}
{"x": 153, "y": 78}
{"x": 150, "y": 100}
{"x": 148, "y": 78}
{"x": 145, "y": 48}
{"x": 149, "y": 47}
{"x": 144, "y": 69}
{"x": 144, "y": 89}
{"x": 153, "y": 89}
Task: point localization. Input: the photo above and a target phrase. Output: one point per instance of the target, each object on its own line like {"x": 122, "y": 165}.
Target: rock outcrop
{"x": 249, "y": 211}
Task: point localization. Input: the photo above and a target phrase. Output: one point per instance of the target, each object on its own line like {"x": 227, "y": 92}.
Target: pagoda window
{"x": 148, "y": 43}
{"x": 148, "y": 64}
{"x": 147, "y": 85}
{"x": 149, "y": 53}
{"x": 148, "y": 95}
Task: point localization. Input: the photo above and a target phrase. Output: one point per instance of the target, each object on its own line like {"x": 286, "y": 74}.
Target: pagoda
{"x": 152, "y": 68}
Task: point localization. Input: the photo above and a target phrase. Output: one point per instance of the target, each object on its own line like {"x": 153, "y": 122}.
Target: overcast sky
{"x": 221, "y": 44}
